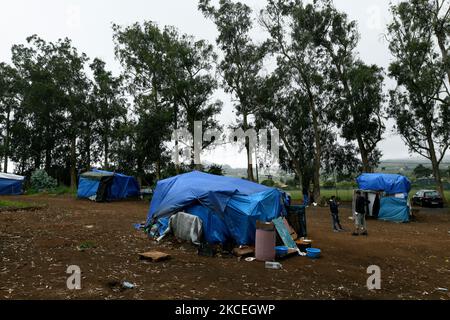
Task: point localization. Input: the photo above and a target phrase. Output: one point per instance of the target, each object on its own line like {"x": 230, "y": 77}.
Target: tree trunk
{"x": 73, "y": 164}
{"x": 249, "y": 154}
{"x": 317, "y": 153}
{"x": 177, "y": 150}
{"x": 364, "y": 156}
{"x": 296, "y": 164}
{"x": 88, "y": 154}
{"x": 158, "y": 170}
{"x": 435, "y": 166}
{"x": 256, "y": 167}
{"x": 106, "y": 147}
{"x": 440, "y": 35}
{"x": 6, "y": 144}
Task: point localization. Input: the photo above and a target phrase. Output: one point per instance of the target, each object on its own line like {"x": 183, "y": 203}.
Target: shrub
{"x": 41, "y": 181}
{"x": 215, "y": 170}
{"x": 268, "y": 183}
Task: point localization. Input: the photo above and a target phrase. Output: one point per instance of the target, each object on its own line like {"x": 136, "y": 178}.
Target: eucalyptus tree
{"x": 55, "y": 88}
{"x": 108, "y": 107}
{"x": 294, "y": 30}
{"x": 9, "y": 102}
{"x": 418, "y": 40}
{"x": 242, "y": 60}
{"x": 142, "y": 51}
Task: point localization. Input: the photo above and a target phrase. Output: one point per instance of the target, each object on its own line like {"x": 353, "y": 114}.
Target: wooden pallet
{"x": 244, "y": 252}
{"x": 154, "y": 256}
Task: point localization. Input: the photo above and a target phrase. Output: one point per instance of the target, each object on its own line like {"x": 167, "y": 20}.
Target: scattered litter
{"x": 250, "y": 259}
{"x": 273, "y": 265}
{"x": 243, "y": 251}
{"x": 206, "y": 250}
{"x": 139, "y": 226}
{"x": 89, "y": 227}
{"x": 350, "y": 218}
{"x": 128, "y": 285}
{"x": 154, "y": 256}
{"x": 340, "y": 271}
{"x": 442, "y": 289}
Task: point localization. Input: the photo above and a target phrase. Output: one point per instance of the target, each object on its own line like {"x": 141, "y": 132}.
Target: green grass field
{"x": 343, "y": 194}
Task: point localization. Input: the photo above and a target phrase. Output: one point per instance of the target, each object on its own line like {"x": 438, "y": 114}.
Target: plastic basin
{"x": 281, "y": 250}
{"x": 313, "y": 253}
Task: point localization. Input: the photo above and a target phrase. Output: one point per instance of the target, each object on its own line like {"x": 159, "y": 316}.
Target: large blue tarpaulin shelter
{"x": 394, "y": 204}
{"x": 228, "y": 207}
{"x": 11, "y": 184}
{"x": 102, "y": 185}
{"x": 389, "y": 183}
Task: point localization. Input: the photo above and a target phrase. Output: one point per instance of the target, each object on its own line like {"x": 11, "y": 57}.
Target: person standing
{"x": 305, "y": 196}
{"x": 360, "y": 215}
{"x": 334, "y": 209}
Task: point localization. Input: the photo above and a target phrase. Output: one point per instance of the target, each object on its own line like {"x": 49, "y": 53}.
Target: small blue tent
{"x": 102, "y": 185}
{"x": 391, "y": 208}
{"x": 11, "y": 184}
{"x": 228, "y": 207}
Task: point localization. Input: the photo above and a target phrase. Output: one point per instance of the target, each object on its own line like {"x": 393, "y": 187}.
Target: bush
{"x": 41, "y": 181}
{"x": 215, "y": 170}
{"x": 268, "y": 183}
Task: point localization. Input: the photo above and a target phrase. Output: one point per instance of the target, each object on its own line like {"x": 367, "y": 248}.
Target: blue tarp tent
{"x": 107, "y": 186}
{"x": 394, "y": 209}
{"x": 11, "y": 184}
{"x": 228, "y": 207}
{"x": 391, "y": 208}
{"x": 389, "y": 183}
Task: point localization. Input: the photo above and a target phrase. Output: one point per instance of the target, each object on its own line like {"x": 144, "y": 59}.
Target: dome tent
{"x": 102, "y": 185}
{"x": 11, "y": 184}
{"x": 228, "y": 207}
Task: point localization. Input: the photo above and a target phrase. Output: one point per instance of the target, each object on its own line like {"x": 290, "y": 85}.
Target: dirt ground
{"x": 36, "y": 247}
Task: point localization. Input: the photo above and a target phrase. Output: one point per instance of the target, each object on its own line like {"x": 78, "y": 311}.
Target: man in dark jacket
{"x": 305, "y": 196}
{"x": 360, "y": 215}
{"x": 334, "y": 209}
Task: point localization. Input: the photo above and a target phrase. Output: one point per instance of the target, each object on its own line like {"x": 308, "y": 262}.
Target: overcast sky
{"x": 88, "y": 24}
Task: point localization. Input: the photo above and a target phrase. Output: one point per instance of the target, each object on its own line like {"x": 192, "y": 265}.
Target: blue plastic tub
{"x": 281, "y": 250}
{"x": 313, "y": 253}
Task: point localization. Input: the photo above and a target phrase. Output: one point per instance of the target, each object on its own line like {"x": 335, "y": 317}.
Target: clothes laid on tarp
{"x": 389, "y": 183}
{"x": 11, "y": 184}
{"x": 228, "y": 207}
{"x": 186, "y": 227}
{"x": 394, "y": 209}
{"x": 107, "y": 186}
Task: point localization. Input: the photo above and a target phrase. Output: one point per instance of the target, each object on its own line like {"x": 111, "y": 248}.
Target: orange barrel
{"x": 265, "y": 241}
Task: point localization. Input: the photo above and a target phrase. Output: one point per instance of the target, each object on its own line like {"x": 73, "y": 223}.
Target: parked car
{"x": 428, "y": 198}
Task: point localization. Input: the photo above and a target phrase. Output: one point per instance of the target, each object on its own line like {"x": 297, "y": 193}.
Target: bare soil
{"x": 36, "y": 247}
